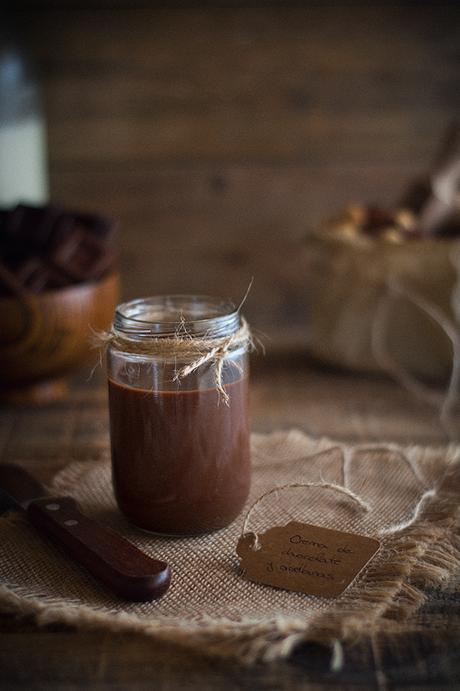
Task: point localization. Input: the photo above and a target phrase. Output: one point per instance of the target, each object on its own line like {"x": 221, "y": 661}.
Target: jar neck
{"x": 167, "y": 316}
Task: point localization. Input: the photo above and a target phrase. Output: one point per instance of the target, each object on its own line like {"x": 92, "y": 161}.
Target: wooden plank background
{"x": 220, "y": 136}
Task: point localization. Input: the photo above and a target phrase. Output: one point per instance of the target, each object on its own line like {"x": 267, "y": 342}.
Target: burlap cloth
{"x": 210, "y": 607}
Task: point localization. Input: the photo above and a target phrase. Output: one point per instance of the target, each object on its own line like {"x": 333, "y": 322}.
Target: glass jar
{"x": 179, "y": 438}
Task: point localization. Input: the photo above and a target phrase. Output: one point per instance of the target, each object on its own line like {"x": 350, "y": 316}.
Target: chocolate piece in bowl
{"x": 26, "y": 231}
{"x": 78, "y": 245}
{"x": 9, "y": 284}
{"x": 101, "y": 226}
{"x": 11, "y": 248}
{"x": 36, "y": 274}
{"x": 81, "y": 256}
{"x": 35, "y": 226}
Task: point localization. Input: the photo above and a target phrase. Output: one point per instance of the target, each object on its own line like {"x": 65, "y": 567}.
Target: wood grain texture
{"x": 219, "y": 136}
{"x": 210, "y": 229}
{"x": 130, "y": 662}
{"x": 286, "y": 83}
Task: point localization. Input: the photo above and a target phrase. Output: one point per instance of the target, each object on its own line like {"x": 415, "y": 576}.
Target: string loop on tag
{"x": 323, "y": 485}
{"x": 445, "y": 401}
{"x": 347, "y": 459}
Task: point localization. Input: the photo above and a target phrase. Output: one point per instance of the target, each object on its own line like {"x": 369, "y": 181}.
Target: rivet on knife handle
{"x": 123, "y": 568}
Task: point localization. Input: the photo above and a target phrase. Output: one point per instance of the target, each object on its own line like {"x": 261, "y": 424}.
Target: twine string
{"x": 347, "y": 458}
{"x": 363, "y": 505}
{"x": 184, "y": 346}
{"x": 445, "y": 401}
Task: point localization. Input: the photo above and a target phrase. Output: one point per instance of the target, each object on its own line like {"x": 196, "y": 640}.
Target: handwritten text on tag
{"x": 305, "y": 558}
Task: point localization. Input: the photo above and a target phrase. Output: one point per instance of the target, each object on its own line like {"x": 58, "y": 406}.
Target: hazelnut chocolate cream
{"x": 180, "y": 446}
{"x": 180, "y": 459}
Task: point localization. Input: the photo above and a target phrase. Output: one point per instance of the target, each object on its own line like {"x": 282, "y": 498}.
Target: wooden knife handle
{"x": 124, "y": 569}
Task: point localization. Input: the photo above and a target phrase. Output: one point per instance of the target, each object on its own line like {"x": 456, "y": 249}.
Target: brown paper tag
{"x": 305, "y": 558}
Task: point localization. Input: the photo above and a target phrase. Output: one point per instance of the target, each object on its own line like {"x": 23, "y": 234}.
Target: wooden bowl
{"x": 44, "y": 336}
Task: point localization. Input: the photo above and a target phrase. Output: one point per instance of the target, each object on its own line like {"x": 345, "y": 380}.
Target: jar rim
{"x": 168, "y": 315}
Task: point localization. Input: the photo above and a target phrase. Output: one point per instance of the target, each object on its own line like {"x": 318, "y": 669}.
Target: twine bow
{"x": 184, "y": 346}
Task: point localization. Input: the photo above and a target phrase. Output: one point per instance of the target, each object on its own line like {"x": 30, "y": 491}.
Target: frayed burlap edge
{"x": 424, "y": 554}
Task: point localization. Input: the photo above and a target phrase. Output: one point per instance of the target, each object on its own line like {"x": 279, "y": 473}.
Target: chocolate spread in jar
{"x": 180, "y": 459}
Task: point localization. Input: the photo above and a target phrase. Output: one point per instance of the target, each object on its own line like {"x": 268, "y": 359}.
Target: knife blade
{"x": 117, "y": 563}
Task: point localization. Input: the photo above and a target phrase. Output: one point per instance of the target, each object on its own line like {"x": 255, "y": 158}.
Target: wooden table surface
{"x": 285, "y": 393}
